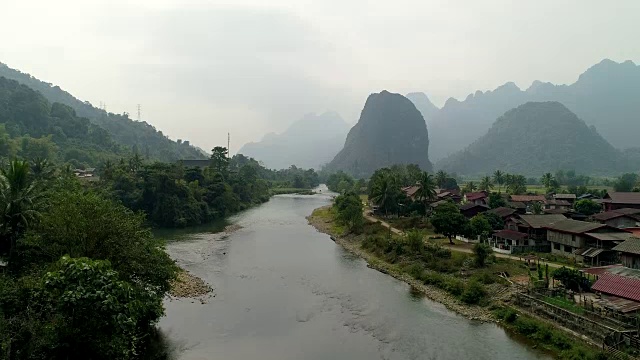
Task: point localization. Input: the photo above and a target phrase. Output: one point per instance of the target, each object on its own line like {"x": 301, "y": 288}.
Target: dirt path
{"x": 460, "y": 248}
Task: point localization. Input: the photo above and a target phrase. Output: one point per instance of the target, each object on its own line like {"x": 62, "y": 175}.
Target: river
{"x": 285, "y": 291}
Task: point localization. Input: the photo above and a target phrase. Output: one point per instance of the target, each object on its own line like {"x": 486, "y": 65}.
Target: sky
{"x": 202, "y": 69}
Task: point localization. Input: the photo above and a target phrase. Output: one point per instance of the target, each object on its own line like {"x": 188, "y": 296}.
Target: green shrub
{"x": 473, "y": 293}
{"x": 526, "y": 326}
{"x": 453, "y": 286}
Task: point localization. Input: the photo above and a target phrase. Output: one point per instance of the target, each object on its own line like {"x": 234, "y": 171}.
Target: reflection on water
{"x": 285, "y": 291}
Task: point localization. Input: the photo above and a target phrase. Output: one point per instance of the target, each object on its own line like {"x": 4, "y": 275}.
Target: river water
{"x": 285, "y": 291}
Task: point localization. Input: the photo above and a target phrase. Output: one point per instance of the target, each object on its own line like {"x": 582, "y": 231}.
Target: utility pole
{"x": 139, "y": 118}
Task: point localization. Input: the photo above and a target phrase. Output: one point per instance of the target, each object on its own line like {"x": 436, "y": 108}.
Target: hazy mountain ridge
{"x": 604, "y": 96}
{"x": 138, "y": 135}
{"x": 308, "y": 143}
{"x": 390, "y": 131}
{"x": 535, "y": 138}
{"x": 424, "y": 105}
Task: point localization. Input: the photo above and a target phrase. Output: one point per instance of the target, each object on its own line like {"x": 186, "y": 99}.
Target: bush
{"x": 473, "y": 293}
{"x": 485, "y": 277}
{"x": 526, "y": 326}
{"x": 453, "y": 286}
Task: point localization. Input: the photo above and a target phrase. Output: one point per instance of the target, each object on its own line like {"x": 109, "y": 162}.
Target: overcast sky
{"x": 201, "y": 69}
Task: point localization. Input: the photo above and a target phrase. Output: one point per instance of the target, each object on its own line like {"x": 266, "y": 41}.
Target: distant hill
{"x": 308, "y": 143}
{"x": 424, "y": 105}
{"x": 390, "y": 131}
{"x": 535, "y": 138}
{"x": 31, "y": 127}
{"x": 138, "y": 135}
{"x": 605, "y": 96}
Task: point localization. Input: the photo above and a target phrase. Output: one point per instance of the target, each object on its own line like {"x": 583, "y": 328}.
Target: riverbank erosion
{"x": 322, "y": 220}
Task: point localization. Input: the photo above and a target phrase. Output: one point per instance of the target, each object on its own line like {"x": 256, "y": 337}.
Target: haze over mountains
{"x": 390, "y": 131}
{"x": 605, "y": 96}
{"x": 308, "y": 143}
{"x": 139, "y": 136}
{"x": 424, "y": 105}
{"x": 535, "y": 138}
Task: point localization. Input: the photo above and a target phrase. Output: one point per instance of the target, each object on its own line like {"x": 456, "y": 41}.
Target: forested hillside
{"x": 605, "y": 96}
{"x": 31, "y": 127}
{"x": 124, "y": 131}
{"x": 536, "y": 138}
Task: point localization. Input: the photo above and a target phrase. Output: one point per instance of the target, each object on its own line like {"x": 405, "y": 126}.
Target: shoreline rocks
{"x": 187, "y": 285}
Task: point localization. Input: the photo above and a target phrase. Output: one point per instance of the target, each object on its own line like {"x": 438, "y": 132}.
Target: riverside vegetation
{"x": 466, "y": 283}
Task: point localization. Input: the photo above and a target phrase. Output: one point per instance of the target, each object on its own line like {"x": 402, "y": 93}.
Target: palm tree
{"x": 486, "y": 184}
{"x": 547, "y": 180}
{"x": 469, "y": 187}
{"x": 20, "y": 203}
{"x": 441, "y": 178}
{"x": 41, "y": 169}
{"x": 427, "y": 189}
{"x": 383, "y": 191}
{"x": 498, "y": 178}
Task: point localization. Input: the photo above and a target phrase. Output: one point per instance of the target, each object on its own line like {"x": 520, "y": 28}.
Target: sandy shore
{"x": 352, "y": 244}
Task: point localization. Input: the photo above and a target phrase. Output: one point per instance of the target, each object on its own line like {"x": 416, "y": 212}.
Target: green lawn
{"x": 564, "y": 304}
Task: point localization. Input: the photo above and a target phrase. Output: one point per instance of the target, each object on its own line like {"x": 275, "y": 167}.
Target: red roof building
{"x": 618, "y": 285}
{"x": 618, "y": 200}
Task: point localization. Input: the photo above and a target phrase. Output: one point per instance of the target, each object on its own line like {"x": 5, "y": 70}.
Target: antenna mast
{"x": 139, "y": 118}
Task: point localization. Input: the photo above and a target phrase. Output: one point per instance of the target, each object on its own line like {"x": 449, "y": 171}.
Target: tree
{"x": 441, "y": 178}
{"x": 426, "y": 189}
{"x": 494, "y": 220}
{"x": 587, "y": 207}
{"x": 516, "y": 184}
{"x": 72, "y": 295}
{"x": 349, "y": 211}
{"x": 498, "y": 178}
{"x": 482, "y": 252}
{"x": 537, "y": 208}
{"x": 20, "y": 203}
{"x": 448, "y": 221}
{"x": 220, "y": 159}
{"x": 486, "y": 184}
{"x": 41, "y": 169}
{"x": 384, "y": 190}
{"x": 626, "y": 182}
{"x": 480, "y": 227}
{"x": 548, "y": 181}
{"x": 469, "y": 187}
{"x": 496, "y": 200}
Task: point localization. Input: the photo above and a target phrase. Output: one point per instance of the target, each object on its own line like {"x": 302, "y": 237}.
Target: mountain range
{"x": 390, "y": 131}
{"x": 138, "y": 136}
{"x": 535, "y": 138}
{"x": 605, "y": 96}
{"x": 308, "y": 143}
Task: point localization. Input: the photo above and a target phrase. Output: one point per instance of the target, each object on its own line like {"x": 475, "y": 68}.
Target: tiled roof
{"x": 528, "y": 198}
{"x": 411, "y": 190}
{"x": 622, "y": 286}
{"x": 623, "y": 197}
{"x": 502, "y": 211}
{"x": 475, "y": 195}
{"x": 539, "y": 221}
{"x": 631, "y": 246}
{"x": 510, "y": 234}
{"x": 573, "y": 226}
{"x": 468, "y": 206}
{"x": 565, "y": 196}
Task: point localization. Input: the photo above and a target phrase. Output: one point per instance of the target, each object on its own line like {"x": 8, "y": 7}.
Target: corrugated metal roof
{"x": 608, "y": 215}
{"x": 623, "y": 197}
{"x": 620, "y": 304}
{"x": 565, "y": 196}
{"x": 539, "y": 221}
{"x": 590, "y": 252}
{"x": 617, "y": 236}
{"x": 599, "y": 269}
{"x": 622, "y": 286}
{"x": 625, "y": 271}
{"x": 528, "y": 198}
{"x": 510, "y": 235}
{"x": 475, "y": 195}
{"x": 573, "y": 226}
{"x": 502, "y": 211}
{"x": 468, "y": 206}
{"x": 631, "y": 246}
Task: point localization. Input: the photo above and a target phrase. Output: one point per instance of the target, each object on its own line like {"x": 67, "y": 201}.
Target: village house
{"x": 618, "y": 286}
{"x": 503, "y": 212}
{"x": 620, "y": 200}
{"x": 478, "y": 198}
{"x": 528, "y": 200}
{"x": 629, "y": 252}
{"x": 411, "y": 191}
{"x": 585, "y": 241}
{"x": 557, "y": 204}
{"x": 619, "y": 218}
{"x": 470, "y": 210}
{"x": 449, "y": 194}
{"x": 570, "y": 198}
{"x": 533, "y": 226}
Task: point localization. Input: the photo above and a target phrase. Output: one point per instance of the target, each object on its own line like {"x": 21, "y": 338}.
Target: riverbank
{"x": 353, "y": 244}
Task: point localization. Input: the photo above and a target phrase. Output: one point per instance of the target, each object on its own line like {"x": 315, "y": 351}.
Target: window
{"x": 568, "y": 249}
{"x": 573, "y": 238}
{"x": 556, "y": 246}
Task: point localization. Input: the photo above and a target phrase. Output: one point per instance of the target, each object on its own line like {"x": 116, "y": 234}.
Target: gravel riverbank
{"x": 352, "y": 244}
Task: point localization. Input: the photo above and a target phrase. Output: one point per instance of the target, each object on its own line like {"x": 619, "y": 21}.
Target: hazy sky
{"x": 201, "y": 69}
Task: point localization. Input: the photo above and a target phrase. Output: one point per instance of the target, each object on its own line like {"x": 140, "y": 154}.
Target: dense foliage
{"x": 85, "y": 277}
{"x": 349, "y": 209}
{"x": 123, "y": 131}
{"x": 174, "y": 196}
{"x": 534, "y": 138}
{"x": 31, "y": 127}
{"x": 587, "y": 207}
